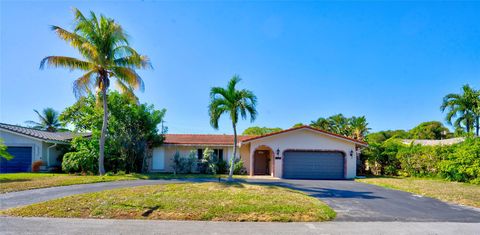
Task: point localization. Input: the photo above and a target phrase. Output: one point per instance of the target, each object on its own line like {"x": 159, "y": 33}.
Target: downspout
{"x": 48, "y": 153}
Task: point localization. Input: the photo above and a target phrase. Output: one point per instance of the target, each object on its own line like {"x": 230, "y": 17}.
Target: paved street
{"x": 95, "y": 226}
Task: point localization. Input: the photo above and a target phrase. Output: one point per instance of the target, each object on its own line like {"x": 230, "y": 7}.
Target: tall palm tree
{"x": 464, "y": 108}
{"x": 359, "y": 127}
{"x": 235, "y": 103}
{"x": 48, "y": 120}
{"x": 106, "y": 54}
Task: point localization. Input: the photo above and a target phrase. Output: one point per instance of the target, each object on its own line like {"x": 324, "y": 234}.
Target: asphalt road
{"x": 104, "y": 226}
{"x": 353, "y": 201}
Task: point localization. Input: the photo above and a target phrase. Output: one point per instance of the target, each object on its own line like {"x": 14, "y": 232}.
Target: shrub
{"x": 209, "y": 162}
{"x": 222, "y": 167}
{"x": 36, "y": 165}
{"x": 238, "y": 168}
{"x": 184, "y": 164}
{"x": 83, "y": 161}
{"x": 462, "y": 163}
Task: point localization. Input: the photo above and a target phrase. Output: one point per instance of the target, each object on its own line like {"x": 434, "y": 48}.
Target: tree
{"x": 106, "y": 54}
{"x": 48, "y": 120}
{"x": 256, "y": 130}
{"x": 353, "y": 127}
{"x": 298, "y": 125}
{"x": 358, "y": 127}
{"x": 381, "y": 136}
{"x": 132, "y": 129}
{"x": 430, "y": 130}
{"x": 464, "y": 109}
{"x": 3, "y": 151}
{"x": 235, "y": 103}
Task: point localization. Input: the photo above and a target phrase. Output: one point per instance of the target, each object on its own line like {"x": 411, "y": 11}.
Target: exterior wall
{"x": 170, "y": 150}
{"x": 15, "y": 140}
{"x": 52, "y": 158}
{"x": 304, "y": 139}
{"x": 245, "y": 156}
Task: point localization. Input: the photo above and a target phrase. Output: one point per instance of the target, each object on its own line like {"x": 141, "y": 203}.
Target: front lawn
{"x": 25, "y": 181}
{"x": 187, "y": 201}
{"x": 460, "y": 193}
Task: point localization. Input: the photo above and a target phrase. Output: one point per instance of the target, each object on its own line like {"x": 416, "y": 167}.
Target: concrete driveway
{"x": 360, "y": 202}
{"x": 353, "y": 201}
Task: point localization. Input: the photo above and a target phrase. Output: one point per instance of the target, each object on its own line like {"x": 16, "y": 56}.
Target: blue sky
{"x": 392, "y": 62}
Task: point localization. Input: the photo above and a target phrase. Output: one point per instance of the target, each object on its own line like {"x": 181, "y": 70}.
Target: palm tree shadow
{"x": 322, "y": 192}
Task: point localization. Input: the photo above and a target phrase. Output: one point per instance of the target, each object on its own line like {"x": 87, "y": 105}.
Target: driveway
{"x": 353, "y": 201}
{"x": 360, "y": 202}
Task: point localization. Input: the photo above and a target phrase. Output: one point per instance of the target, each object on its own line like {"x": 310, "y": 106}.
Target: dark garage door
{"x": 21, "y": 161}
{"x": 313, "y": 165}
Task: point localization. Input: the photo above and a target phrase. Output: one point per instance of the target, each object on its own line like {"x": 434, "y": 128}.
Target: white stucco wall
{"x": 305, "y": 139}
{"x": 170, "y": 150}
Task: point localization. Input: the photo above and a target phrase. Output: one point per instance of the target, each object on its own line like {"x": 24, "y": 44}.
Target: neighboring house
{"x": 298, "y": 153}
{"x": 28, "y": 145}
{"x": 435, "y": 142}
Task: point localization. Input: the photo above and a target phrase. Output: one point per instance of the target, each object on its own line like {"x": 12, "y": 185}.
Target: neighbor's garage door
{"x": 21, "y": 161}
{"x": 313, "y": 165}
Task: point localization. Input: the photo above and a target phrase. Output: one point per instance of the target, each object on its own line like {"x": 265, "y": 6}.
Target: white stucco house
{"x": 28, "y": 145}
{"x": 298, "y": 153}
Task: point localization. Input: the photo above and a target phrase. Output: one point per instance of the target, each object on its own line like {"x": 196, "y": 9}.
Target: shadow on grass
{"x": 13, "y": 180}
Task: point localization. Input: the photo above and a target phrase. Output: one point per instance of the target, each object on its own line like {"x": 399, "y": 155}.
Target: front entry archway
{"x": 263, "y": 161}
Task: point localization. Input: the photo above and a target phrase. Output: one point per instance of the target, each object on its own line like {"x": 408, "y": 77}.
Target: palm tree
{"x": 106, "y": 54}
{"x": 322, "y": 124}
{"x": 48, "y": 120}
{"x": 235, "y": 103}
{"x": 465, "y": 108}
{"x": 359, "y": 127}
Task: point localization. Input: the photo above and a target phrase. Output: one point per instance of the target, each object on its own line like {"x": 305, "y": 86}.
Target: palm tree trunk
{"x": 101, "y": 168}
{"x": 232, "y": 161}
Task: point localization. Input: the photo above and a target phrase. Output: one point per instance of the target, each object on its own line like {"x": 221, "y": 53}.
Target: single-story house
{"x": 297, "y": 153}
{"x": 28, "y": 145}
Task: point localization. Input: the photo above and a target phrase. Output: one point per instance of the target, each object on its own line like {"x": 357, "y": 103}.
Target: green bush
{"x": 458, "y": 162}
{"x": 238, "y": 168}
{"x": 184, "y": 164}
{"x": 463, "y": 163}
{"x": 82, "y": 161}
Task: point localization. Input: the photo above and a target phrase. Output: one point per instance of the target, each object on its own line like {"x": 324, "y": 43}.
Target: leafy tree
{"x": 132, "y": 129}
{"x": 256, "y": 130}
{"x": 381, "y": 136}
{"x": 3, "y": 151}
{"x": 430, "y": 130}
{"x": 299, "y": 124}
{"x": 464, "y": 109}
{"x": 106, "y": 54}
{"x": 48, "y": 120}
{"x": 235, "y": 103}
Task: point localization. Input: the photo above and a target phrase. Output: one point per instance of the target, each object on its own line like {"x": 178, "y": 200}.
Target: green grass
{"x": 456, "y": 192}
{"x": 25, "y": 181}
{"x": 187, "y": 201}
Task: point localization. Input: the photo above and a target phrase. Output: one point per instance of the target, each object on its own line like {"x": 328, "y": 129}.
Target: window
{"x": 218, "y": 153}
{"x": 200, "y": 153}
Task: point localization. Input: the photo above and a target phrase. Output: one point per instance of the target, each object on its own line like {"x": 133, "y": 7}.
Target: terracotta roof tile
{"x": 190, "y": 139}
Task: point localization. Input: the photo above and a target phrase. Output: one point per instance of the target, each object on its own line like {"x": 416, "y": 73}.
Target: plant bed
{"x": 186, "y": 201}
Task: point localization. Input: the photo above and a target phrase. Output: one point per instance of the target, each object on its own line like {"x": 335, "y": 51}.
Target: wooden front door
{"x": 261, "y": 162}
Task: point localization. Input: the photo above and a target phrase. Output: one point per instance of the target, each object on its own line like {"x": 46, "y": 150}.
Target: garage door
{"x": 21, "y": 161}
{"x": 313, "y": 165}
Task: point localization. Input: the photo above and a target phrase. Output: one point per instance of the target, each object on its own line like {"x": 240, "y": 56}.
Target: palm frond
{"x": 65, "y": 62}
{"x": 84, "y": 84}
{"x": 129, "y": 76}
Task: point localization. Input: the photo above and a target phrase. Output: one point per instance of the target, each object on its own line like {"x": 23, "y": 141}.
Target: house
{"x": 434, "y": 142}
{"x": 297, "y": 153}
{"x": 28, "y": 145}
